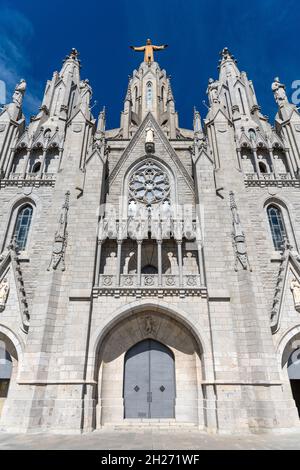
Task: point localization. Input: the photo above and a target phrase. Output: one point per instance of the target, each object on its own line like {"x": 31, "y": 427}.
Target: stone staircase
{"x": 140, "y": 424}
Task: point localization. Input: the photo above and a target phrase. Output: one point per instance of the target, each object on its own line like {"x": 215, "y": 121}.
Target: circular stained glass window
{"x": 149, "y": 184}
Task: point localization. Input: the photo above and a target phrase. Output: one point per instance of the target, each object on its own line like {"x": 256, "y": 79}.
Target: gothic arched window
{"x": 22, "y": 226}
{"x": 277, "y": 226}
{"x": 149, "y": 95}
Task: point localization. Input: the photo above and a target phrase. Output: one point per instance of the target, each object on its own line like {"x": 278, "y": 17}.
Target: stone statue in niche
{"x": 295, "y": 288}
{"x": 110, "y": 264}
{"x": 4, "y": 291}
{"x": 173, "y": 264}
{"x": 127, "y": 261}
{"x": 189, "y": 264}
{"x": 279, "y": 91}
{"x": 149, "y": 140}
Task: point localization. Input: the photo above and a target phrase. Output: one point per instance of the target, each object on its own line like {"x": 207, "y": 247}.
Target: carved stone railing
{"x": 18, "y": 179}
{"x": 268, "y": 179}
{"x": 165, "y": 227}
{"x": 149, "y": 283}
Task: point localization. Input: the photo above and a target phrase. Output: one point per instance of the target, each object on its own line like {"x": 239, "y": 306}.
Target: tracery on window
{"x": 149, "y": 184}
{"x": 22, "y": 226}
{"x": 277, "y": 226}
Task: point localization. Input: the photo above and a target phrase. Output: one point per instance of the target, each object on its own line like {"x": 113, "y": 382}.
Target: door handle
{"x": 162, "y": 388}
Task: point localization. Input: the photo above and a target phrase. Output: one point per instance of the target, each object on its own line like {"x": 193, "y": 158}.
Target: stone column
{"x": 119, "y": 261}
{"x": 139, "y": 261}
{"x": 256, "y": 162}
{"x": 201, "y": 264}
{"x": 179, "y": 256}
{"x": 26, "y": 163}
{"x": 98, "y": 261}
{"x": 10, "y": 163}
{"x": 239, "y": 159}
{"x": 60, "y": 157}
{"x": 273, "y": 162}
{"x": 289, "y": 162}
{"x": 159, "y": 261}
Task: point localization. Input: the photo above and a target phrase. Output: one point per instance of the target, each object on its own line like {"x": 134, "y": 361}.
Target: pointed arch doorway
{"x": 149, "y": 381}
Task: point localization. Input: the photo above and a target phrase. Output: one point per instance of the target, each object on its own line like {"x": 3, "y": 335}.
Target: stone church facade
{"x": 149, "y": 273}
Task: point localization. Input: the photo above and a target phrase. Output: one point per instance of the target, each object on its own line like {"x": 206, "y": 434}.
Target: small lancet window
{"x": 149, "y": 95}
{"x": 22, "y": 226}
{"x": 277, "y": 227}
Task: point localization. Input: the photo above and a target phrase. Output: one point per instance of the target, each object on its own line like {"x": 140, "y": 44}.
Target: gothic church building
{"x": 149, "y": 274}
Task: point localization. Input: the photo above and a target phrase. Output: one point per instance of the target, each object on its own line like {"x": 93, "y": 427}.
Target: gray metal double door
{"x": 149, "y": 381}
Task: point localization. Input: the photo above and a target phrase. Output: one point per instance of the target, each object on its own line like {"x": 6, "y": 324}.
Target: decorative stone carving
{"x": 21, "y": 293}
{"x": 128, "y": 280}
{"x": 279, "y": 91}
{"x": 4, "y": 291}
{"x": 239, "y": 241}
{"x": 295, "y": 288}
{"x": 149, "y": 280}
{"x": 60, "y": 238}
{"x": 150, "y": 325}
{"x": 191, "y": 280}
{"x": 170, "y": 280}
{"x": 107, "y": 280}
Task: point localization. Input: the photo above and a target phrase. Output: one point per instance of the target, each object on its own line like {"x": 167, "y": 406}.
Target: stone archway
{"x": 290, "y": 364}
{"x": 8, "y": 369}
{"x": 172, "y": 334}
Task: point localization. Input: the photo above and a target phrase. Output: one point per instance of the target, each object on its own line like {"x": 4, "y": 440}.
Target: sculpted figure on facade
{"x": 213, "y": 91}
{"x": 4, "y": 291}
{"x": 279, "y": 91}
{"x": 295, "y": 288}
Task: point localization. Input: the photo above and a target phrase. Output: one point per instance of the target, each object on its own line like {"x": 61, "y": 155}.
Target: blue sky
{"x": 262, "y": 34}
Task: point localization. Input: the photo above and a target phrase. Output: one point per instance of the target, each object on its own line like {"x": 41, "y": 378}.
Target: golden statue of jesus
{"x": 149, "y": 48}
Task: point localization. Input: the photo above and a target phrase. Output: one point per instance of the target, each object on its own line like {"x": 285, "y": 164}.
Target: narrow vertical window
{"x": 22, "y": 226}
{"x": 242, "y": 102}
{"x": 277, "y": 226}
{"x": 149, "y": 95}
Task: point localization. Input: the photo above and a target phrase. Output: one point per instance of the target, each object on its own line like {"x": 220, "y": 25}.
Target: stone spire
{"x": 149, "y": 90}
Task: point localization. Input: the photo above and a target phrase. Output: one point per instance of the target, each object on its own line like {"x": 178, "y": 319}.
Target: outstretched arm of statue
{"x": 142, "y": 48}
{"x": 157, "y": 48}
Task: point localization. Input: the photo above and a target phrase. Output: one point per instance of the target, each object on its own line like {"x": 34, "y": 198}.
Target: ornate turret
{"x": 149, "y": 90}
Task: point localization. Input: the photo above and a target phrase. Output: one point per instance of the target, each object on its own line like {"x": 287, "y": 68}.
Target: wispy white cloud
{"x": 16, "y": 32}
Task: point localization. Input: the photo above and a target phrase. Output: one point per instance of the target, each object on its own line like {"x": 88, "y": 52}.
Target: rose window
{"x": 149, "y": 184}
